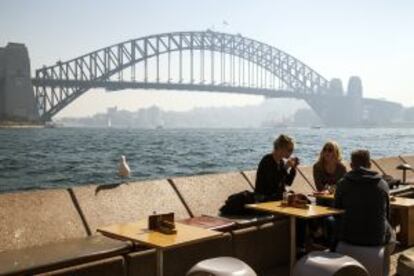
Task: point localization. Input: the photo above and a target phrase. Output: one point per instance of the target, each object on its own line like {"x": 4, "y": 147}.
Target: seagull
{"x": 123, "y": 168}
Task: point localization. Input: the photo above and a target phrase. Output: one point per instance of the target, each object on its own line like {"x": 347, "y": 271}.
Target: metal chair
{"x": 221, "y": 266}
{"x": 323, "y": 263}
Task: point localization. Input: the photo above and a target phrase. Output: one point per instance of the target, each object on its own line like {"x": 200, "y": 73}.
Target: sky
{"x": 373, "y": 39}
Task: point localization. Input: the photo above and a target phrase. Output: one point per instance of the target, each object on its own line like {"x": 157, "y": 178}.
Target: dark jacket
{"x": 363, "y": 194}
{"x": 322, "y": 177}
{"x": 272, "y": 177}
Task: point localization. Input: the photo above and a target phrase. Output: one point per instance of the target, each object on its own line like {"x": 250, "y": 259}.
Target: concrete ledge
{"x": 300, "y": 185}
{"x": 388, "y": 166}
{"x": 111, "y": 204}
{"x": 205, "y": 194}
{"x": 36, "y": 218}
{"x": 251, "y": 177}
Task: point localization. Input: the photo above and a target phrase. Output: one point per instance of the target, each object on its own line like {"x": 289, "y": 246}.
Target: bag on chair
{"x": 235, "y": 204}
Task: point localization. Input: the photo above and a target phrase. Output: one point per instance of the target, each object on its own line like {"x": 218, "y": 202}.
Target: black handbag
{"x": 235, "y": 204}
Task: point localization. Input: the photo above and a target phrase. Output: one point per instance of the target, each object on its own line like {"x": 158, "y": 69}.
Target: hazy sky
{"x": 372, "y": 39}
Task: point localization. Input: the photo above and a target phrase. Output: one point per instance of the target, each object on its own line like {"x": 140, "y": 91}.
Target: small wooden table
{"x": 138, "y": 232}
{"x": 405, "y": 206}
{"x": 326, "y": 196}
{"x": 313, "y": 211}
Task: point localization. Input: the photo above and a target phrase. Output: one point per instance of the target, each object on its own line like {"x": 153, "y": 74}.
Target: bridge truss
{"x": 204, "y": 61}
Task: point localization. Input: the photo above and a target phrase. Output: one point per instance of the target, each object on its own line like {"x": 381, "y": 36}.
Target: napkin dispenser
{"x": 163, "y": 223}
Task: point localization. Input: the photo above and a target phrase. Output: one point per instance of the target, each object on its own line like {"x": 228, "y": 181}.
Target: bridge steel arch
{"x": 58, "y": 85}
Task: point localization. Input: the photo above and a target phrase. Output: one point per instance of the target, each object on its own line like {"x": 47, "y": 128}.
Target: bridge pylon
{"x": 17, "y": 100}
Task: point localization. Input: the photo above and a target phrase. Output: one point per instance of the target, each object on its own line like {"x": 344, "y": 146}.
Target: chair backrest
{"x": 38, "y": 217}
{"x": 111, "y": 204}
{"x": 205, "y": 194}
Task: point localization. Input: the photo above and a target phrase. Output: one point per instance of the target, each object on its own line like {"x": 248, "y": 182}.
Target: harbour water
{"x": 64, "y": 157}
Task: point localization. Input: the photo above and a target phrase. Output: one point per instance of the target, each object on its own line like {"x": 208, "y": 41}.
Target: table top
{"x": 402, "y": 202}
{"x": 139, "y": 232}
{"x": 313, "y": 211}
{"x": 398, "y": 202}
{"x": 324, "y": 196}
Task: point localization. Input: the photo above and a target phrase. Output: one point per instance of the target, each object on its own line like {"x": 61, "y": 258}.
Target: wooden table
{"x": 326, "y": 196}
{"x": 405, "y": 206}
{"x": 138, "y": 232}
{"x": 313, "y": 211}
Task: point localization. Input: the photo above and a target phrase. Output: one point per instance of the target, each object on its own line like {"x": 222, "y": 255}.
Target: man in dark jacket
{"x": 276, "y": 170}
{"x": 364, "y": 196}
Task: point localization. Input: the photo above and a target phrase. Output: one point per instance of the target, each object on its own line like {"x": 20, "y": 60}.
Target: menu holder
{"x": 163, "y": 223}
{"x": 296, "y": 201}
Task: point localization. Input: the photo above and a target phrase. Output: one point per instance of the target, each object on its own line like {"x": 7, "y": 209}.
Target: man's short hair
{"x": 360, "y": 158}
{"x": 283, "y": 141}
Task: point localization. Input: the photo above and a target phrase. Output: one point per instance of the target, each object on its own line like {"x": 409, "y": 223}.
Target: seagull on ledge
{"x": 123, "y": 168}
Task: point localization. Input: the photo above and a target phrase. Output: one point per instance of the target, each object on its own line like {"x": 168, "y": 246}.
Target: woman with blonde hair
{"x": 329, "y": 169}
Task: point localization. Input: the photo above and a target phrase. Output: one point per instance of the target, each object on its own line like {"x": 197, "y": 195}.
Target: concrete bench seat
{"x": 59, "y": 255}
{"x": 264, "y": 248}
{"x": 42, "y": 231}
{"x": 106, "y": 267}
{"x": 275, "y": 271}
{"x": 178, "y": 260}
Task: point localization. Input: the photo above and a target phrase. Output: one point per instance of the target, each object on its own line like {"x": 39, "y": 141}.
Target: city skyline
{"x": 367, "y": 39}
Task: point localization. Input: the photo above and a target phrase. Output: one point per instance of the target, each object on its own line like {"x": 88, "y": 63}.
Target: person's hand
{"x": 292, "y": 162}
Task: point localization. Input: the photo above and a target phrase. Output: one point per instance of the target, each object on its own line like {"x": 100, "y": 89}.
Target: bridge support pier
{"x": 17, "y": 101}
{"x": 338, "y": 111}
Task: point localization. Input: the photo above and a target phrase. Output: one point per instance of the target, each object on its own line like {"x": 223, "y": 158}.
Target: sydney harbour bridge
{"x": 197, "y": 61}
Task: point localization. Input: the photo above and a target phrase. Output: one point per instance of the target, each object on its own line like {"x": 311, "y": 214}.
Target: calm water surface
{"x": 63, "y": 157}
